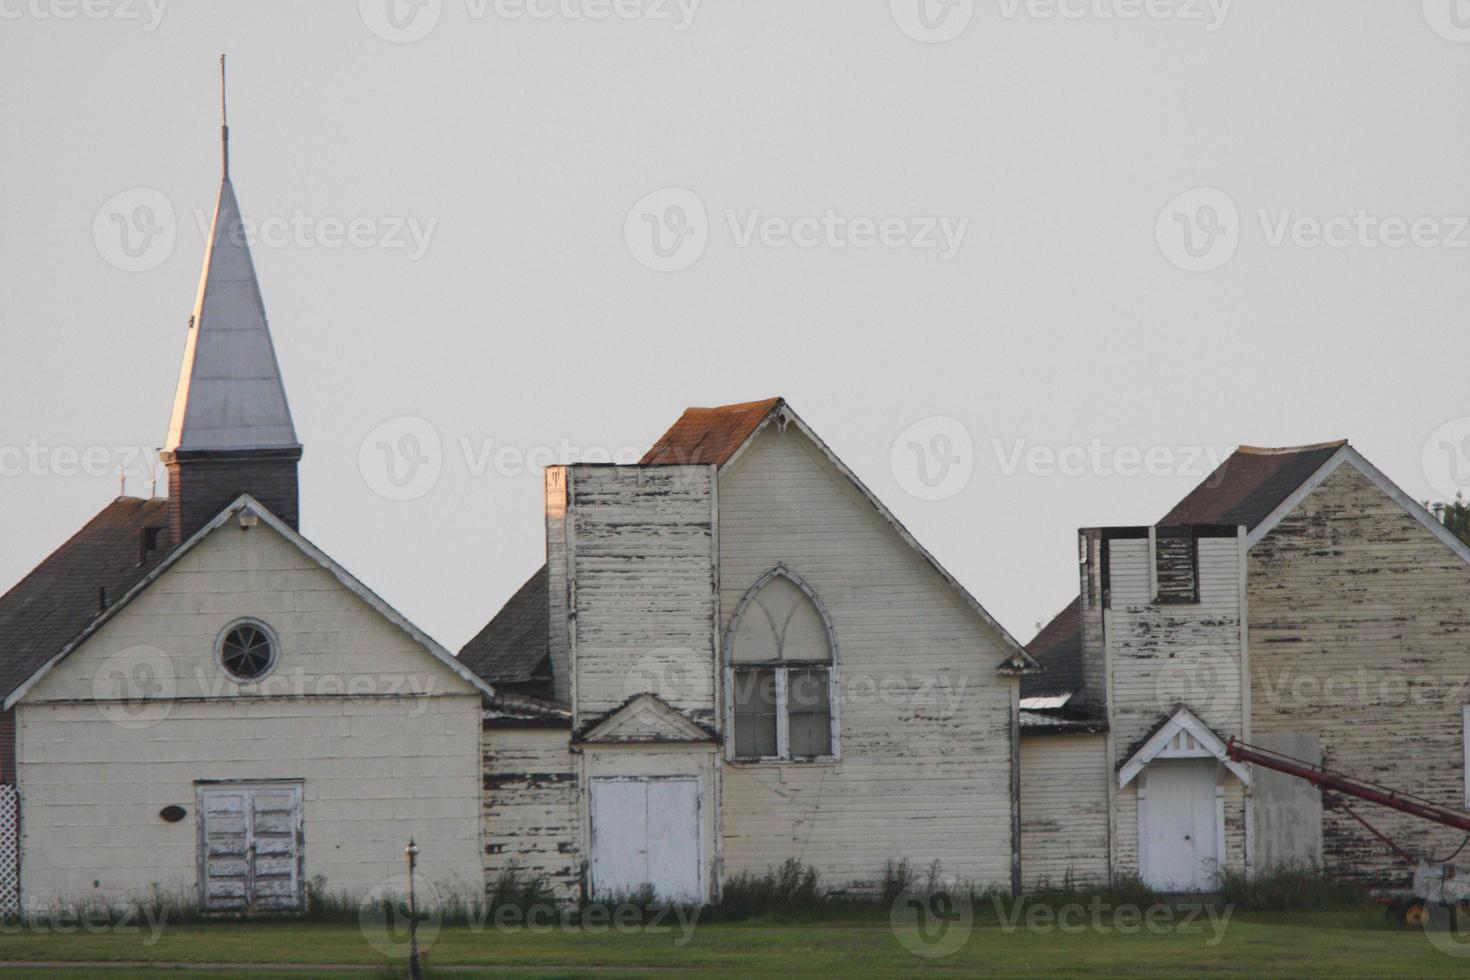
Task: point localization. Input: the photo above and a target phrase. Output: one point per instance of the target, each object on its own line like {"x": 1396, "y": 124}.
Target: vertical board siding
{"x": 642, "y": 579}
{"x": 1360, "y": 633}
{"x": 530, "y": 808}
{"x": 925, "y": 770}
{"x": 1064, "y": 810}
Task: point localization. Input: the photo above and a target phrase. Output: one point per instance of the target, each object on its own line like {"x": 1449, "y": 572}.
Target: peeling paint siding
{"x": 921, "y": 775}
{"x": 1360, "y": 632}
{"x": 376, "y": 769}
{"x": 1064, "y": 810}
{"x": 1161, "y": 655}
{"x": 642, "y": 579}
{"x": 531, "y": 808}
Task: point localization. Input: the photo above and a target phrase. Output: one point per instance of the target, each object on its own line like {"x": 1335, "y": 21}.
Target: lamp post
{"x": 415, "y": 971}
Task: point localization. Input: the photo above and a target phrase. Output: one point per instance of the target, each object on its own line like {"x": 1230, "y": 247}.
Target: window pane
{"x": 809, "y": 711}
{"x": 755, "y": 713}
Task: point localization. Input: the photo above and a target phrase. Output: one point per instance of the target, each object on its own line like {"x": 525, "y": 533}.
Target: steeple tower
{"x": 231, "y": 430}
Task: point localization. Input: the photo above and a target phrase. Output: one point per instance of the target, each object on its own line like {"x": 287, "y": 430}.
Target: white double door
{"x": 646, "y": 831}
{"x": 1179, "y": 833}
{"x": 250, "y": 849}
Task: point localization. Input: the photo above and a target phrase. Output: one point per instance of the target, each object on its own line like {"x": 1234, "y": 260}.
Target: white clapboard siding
{"x": 531, "y": 808}
{"x": 1360, "y": 633}
{"x": 1064, "y": 809}
{"x": 926, "y": 744}
{"x": 1161, "y": 655}
{"x": 642, "y": 578}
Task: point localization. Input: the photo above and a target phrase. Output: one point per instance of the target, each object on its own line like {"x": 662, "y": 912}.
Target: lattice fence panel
{"x": 9, "y": 850}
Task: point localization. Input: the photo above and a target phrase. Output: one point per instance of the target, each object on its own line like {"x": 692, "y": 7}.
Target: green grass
{"x": 1340, "y": 943}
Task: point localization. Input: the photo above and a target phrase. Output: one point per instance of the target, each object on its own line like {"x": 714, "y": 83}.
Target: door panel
{"x": 1178, "y": 834}
{"x": 646, "y": 832}
{"x": 250, "y": 847}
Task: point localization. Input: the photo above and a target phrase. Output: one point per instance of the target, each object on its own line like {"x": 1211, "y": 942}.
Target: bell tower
{"x": 231, "y": 430}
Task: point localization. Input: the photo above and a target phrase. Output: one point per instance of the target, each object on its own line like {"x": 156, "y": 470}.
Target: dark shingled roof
{"x": 512, "y": 648}
{"x": 1244, "y": 489}
{"x": 61, "y": 597}
{"x": 1058, "y": 648}
{"x": 710, "y": 435}
{"x": 1248, "y": 486}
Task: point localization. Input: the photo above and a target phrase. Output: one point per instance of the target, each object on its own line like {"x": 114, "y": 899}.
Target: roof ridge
{"x": 1287, "y": 450}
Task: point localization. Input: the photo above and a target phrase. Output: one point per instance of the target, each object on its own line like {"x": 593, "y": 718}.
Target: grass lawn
{"x": 1355, "y": 943}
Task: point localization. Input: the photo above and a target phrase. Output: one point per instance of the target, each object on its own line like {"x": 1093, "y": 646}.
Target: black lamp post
{"x": 415, "y": 971}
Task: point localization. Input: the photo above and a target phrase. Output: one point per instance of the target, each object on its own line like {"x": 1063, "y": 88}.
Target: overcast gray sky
{"x": 1083, "y": 228}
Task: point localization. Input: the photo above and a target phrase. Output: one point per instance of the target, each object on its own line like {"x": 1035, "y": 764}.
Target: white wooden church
{"x": 733, "y": 655}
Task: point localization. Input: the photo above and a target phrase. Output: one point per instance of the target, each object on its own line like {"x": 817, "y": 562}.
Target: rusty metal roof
{"x": 1250, "y": 484}
{"x": 71, "y": 588}
{"x": 710, "y": 436}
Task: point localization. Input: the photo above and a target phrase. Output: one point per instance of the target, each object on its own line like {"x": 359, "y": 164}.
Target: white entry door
{"x": 646, "y": 831}
{"x": 1178, "y": 834}
{"x": 250, "y": 847}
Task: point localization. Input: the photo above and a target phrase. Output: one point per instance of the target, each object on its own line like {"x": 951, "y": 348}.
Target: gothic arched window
{"x": 780, "y": 652}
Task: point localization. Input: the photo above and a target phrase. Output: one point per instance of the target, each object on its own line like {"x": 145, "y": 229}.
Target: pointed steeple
{"x": 231, "y": 430}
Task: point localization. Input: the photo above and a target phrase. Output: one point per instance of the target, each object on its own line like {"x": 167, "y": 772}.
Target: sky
{"x": 1025, "y": 265}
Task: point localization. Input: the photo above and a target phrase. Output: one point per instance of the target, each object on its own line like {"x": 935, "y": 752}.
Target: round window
{"x": 247, "y": 650}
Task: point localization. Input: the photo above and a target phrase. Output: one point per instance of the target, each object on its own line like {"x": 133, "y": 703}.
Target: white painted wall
{"x": 385, "y": 738}
{"x": 925, "y": 771}
{"x": 1064, "y": 809}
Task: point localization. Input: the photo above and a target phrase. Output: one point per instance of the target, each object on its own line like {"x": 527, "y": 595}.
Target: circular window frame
{"x": 271, "y": 637}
